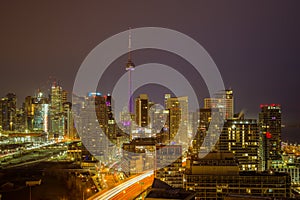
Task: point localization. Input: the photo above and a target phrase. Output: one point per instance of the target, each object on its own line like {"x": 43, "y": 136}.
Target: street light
{"x": 32, "y": 183}
{"x": 87, "y": 190}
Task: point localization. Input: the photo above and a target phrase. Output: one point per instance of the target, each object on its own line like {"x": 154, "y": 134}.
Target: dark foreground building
{"x": 161, "y": 190}
{"x": 217, "y": 176}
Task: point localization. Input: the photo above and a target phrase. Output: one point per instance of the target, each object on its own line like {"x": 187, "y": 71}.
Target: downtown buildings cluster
{"x": 41, "y": 114}
{"x": 242, "y": 157}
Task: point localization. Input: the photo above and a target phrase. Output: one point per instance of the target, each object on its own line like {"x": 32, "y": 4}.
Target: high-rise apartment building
{"x": 205, "y": 117}
{"x": 56, "y": 110}
{"x": 241, "y": 137}
{"x": 270, "y": 132}
{"x": 158, "y": 117}
{"x": 142, "y": 110}
{"x": 168, "y": 164}
{"x": 224, "y": 101}
{"x": 217, "y": 176}
{"x": 206, "y": 135}
{"x": 40, "y": 107}
{"x": 139, "y": 155}
{"x": 28, "y": 113}
{"x": 8, "y": 112}
{"x": 193, "y": 123}
{"x": 111, "y": 125}
{"x": 69, "y": 131}
{"x": 178, "y": 117}
{"x": 64, "y": 96}
{"x": 93, "y": 133}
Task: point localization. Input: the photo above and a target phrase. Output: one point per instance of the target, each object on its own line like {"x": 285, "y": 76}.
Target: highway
{"x": 26, "y": 163}
{"x": 122, "y": 189}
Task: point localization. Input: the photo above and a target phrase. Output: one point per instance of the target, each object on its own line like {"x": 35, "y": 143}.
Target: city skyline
{"x": 238, "y": 113}
{"x": 150, "y": 99}
{"x": 256, "y": 54}
{"x": 240, "y": 140}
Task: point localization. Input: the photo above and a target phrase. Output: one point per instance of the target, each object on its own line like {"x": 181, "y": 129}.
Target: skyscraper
{"x": 224, "y": 101}
{"x": 204, "y": 121}
{"x": 64, "y": 96}
{"x": 142, "y": 110}
{"x": 159, "y": 122}
{"x": 8, "y": 112}
{"x": 241, "y": 137}
{"x": 111, "y": 126}
{"x": 40, "y": 105}
{"x": 93, "y": 133}
{"x": 193, "y": 123}
{"x": 29, "y": 113}
{"x": 178, "y": 117}
{"x": 69, "y": 132}
{"x": 130, "y": 67}
{"x": 56, "y": 110}
{"x": 270, "y": 132}
{"x": 168, "y": 164}
{"x": 207, "y": 133}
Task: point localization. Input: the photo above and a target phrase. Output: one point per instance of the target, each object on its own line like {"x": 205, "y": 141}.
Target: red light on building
{"x": 263, "y": 105}
{"x": 274, "y": 105}
{"x": 268, "y": 135}
{"x": 269, "y": 105}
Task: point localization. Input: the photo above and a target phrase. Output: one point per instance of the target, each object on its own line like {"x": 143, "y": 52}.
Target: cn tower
{"x": 130, "y": 67}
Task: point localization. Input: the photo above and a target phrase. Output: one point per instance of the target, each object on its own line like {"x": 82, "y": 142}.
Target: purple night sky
{"x": 255, "y": 44}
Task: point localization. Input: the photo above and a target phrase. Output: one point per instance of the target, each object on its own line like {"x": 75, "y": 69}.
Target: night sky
{"x": 255, "y": 44}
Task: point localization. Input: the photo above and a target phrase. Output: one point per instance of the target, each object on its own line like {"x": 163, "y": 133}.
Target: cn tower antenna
{"x": 129, "y": 44}
{"x": 130, "y": 67}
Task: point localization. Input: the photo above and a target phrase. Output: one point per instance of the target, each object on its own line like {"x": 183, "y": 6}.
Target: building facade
{"x": 178, "y": 118}
{"x": 56, "y": 111}
{"x": 8, "y": 110}
{"x": 217, "y": 176}
{"x": 168, "y": 165}
{"x": 270, "y": 133}
{"x": 224, "y": 101}
{"x": 241, "y": 137}
{"x": 142, "y": 110}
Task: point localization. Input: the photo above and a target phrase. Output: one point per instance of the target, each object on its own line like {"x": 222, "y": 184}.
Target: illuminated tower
{"x": 68, "y": 121}
{"x": 93, "y": 134}
{"x": 64, "y": 96}
{"x": 178, "y": 116}
{"x": 241, "y": 137}
{"x": 36, "y": 113}
{"x": 270, "y": 130}
{"x": 56, "y": 110}
{"x": 40, "y": 111}
{"x": 29, "y": 113}
{"x": 111, "y": 126}
{"x": 130, "y": 67}
{"x": 224, "y": 101}
{"x": 8, "y": 112}
{"x": 142, "y": 110}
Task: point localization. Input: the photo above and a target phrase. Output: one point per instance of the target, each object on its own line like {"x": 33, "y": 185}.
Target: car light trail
{"x": 122, "y": 187}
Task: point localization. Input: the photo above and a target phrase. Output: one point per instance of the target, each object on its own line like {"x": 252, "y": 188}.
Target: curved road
{"x": 121, "y": 189}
